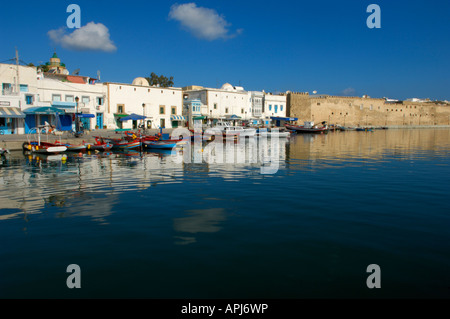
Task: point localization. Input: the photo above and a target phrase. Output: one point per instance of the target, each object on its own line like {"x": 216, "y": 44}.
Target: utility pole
{"x": 17, "y": 71}
{"x": 18, "y": 79}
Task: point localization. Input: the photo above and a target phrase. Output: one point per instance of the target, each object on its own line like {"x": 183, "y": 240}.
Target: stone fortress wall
{"x": 365, "y": 111}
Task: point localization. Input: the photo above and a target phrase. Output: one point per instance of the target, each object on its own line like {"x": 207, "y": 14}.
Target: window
{"x": 226, "y": 110}
{"x": 361, "y": 107}
{"x": 120, "y": 108}
{"x": 85, "y": 99}
{"x": 29, "y": 99}
{"x": 215, "y": 106}
{"x": 56, "y": 98}
{"x": 318, "y": 103}
{"x": 6, "y": 88}
{"x": 371, "y": 107}
{"x": 174, "y": 110}
{"x": 281, "y": 108}
{"x": 242, "y": 111}
{"x": 162, "y": 109}
{"x": 70, "y": 98}
{"x": 270, "y": 107}
{"x": 24, "y": 88}
{"x": 100, "y": 100}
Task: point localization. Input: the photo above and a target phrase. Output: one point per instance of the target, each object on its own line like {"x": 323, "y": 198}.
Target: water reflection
{"x": 76, "y": 183}
{"x": 199, "y": 221}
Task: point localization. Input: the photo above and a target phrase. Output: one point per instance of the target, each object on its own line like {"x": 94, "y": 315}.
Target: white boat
{"x": 228, "y": 130}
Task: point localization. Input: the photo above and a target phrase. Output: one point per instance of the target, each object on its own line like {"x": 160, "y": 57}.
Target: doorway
{"x": 100, "y": 120}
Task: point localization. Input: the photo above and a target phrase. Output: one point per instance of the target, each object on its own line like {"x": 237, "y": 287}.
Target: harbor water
{"x": 144, "y": 225}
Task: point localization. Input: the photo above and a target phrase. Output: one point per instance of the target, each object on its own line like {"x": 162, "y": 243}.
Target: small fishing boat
{"x": 308, "y": 127}
{"x": 162, "y": 144}
{"x": 123, "y": 144}
{"x": 228, "y": 130}
{"x": 364, "y": 129}
{"x": 40, "y": 147}
{"x": 74, "y": 148}
{"x": 99, "y": 145}
{"x": 43, "y": 147}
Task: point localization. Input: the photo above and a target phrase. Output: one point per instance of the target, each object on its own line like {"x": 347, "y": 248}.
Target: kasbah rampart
{"x": 366, "y": 111}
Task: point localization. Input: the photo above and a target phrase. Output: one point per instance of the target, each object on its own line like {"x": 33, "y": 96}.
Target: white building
{"x": 256, "y": 106}
{"x": 18, "y": 89}
{"x": 61, "y": 91}
{"x": 274, "y": 106}
{"x": 40, "y": 96}
{"x": 228, "y": 102}
{"x": 161, "y": 106}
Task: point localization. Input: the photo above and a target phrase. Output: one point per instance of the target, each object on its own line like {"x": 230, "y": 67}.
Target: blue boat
{"x": 162, "y": 144}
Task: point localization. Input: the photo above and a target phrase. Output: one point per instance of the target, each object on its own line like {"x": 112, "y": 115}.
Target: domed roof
{"x": 140, "y": 82}
{"x": 227, "y": 86}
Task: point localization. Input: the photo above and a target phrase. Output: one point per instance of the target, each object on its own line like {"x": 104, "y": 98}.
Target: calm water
{"x": 144, "y": 226}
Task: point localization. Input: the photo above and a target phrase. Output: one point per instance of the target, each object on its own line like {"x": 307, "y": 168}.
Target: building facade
{"x": 162, "y": 107}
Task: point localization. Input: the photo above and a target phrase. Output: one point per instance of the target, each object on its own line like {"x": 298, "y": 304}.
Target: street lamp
{"x": 143, "y": 114}
{"x": 77, "y": 123}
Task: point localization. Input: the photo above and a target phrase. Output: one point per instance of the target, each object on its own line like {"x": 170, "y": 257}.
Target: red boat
{"x": 99, "y": 145}
{"x": 43, "y": 147}
{"x": 123, "y": 144}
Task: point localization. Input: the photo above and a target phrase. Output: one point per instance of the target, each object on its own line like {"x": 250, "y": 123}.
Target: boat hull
{"x": 161, "y": 144}
{"x": 300, "y": 129}
{"x": 44, "y": 148}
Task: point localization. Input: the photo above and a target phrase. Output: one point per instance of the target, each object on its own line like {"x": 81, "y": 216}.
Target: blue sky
{"x": 321, "y": 45}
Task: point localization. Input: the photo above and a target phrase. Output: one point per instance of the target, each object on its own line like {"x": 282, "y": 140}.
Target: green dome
{"x": 55, "y": 56}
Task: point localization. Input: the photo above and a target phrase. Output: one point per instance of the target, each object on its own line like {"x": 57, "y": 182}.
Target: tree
{"x": 43, "y": 67}
{"x": 162, "y": 81}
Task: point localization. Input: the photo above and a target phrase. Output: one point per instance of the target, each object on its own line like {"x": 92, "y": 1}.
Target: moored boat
{"x": 122, "y": 144}
{"x": 364, "y": 129}
{"x": 99, "y": 145}
{"x": 161, "y": 144}
{"x": 308, "y": 127}
{"x": 43, "y": 147}
{"x": 229, "y": 130}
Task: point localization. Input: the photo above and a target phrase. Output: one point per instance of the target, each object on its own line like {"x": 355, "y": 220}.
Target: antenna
{"x": 98, "y": 75}
{"x": 76, "y": 72}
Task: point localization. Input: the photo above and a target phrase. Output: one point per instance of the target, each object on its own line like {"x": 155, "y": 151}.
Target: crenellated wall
{"x": 357, "y": 111}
